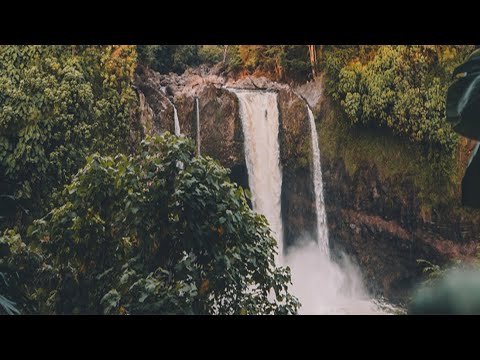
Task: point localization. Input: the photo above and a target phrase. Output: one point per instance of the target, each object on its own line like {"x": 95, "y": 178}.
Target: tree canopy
{"x": 161, "y": 232}
{"x": 58, "y": 104}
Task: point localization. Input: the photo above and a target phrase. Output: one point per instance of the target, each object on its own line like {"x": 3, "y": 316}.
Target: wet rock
{"x": 155, "y": 108}
{"x": 298, "y": 194}
{"x": 386, "y": 234}
{"x": 221, "y": 134}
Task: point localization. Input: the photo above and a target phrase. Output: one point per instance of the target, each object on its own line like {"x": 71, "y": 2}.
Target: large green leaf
{"x": 8, "y": 306}
{"x": 455, "y": 293}
{"x": 463, "y": 111}
{"x": 463, "y": 98}
{"x": 471, "y": 182}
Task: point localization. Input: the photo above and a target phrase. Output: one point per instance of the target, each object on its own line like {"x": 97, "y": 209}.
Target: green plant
{"x": 22, "y": 273}
{"x": 58, "y": 104}
{"x": 142, "y": 234}
{"x": 169, "y": 58}
{"x": 400, "y": 88}
{"x": 211, "y": 54}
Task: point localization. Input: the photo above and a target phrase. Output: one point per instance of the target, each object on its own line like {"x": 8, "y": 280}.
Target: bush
{"x": 397, "y": 90}
{"x": 401, "y": 88}
{"x": 23, "y": 276}
{"x": 211, "y": 54}
{"x": 169, "y": 58}
{"x": 161, "y": 232}
{"x": 280, "y": 62}
{"x": 58, "y": 104}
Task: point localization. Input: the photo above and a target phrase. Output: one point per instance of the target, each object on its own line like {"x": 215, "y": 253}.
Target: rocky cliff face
{"x": 221, "y": 135}
{"x": 298, "y": 202}
{"x": 386, "y": 233}
{"x": 155, "y": 112}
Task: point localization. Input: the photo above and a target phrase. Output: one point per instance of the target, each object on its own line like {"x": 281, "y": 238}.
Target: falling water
{"x": 259, "y": 115}
{"x": 322, "y": 229}
{"x": 322, "y": 285}
{"x": 198, "y": 125}
{"x": 176, "y": 122}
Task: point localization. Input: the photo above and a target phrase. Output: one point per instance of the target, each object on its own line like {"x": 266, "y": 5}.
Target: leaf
{"x": 8, "y": 306}
{"x": 463, "y": 99}
{"x": 108, "y": 271}
{"x": 110, "y": 301}
{"x": 142, "y": 297}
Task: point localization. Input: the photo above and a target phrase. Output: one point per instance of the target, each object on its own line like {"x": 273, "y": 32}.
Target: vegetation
{"x": 279, "y": 62}
{"x": 389, "y": 110}
{"x": 160, "y": 232}
{"x": 124, "y": 227}
{"x": 401, "y": 88}
{"x": 405, "y": 166}
{"x": 169, "y": 58}
{"x": 57, "y": 105}
{"x": 453, "y": 289}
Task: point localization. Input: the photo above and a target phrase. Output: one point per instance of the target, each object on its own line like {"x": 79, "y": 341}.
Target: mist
{"x": 324, "y": 286}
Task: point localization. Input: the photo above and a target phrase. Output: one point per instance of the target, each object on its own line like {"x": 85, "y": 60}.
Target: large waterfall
{"x": 322, "y": 285}
{"x": 259, "y": 114}
{"x": 322, "y": 229}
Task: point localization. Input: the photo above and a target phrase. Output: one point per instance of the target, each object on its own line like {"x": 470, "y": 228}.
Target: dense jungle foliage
{"x": 160, "y": 232}
{"x": 58, "y": 104}
{"x": 279, "y": 62}
{"x": 401, "y": 88}
{"x": 92, "y": 221}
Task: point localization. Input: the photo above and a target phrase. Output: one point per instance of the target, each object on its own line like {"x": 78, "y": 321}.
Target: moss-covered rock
{"x": 388, "y": 205}
{"x": 155, "y": 108}
{"x": 298, "y": 197}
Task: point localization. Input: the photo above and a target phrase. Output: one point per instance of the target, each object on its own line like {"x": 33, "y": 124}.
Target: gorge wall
{"x": 221, "y": 135}
{"x": 380, "y": 219}
{"x": 384, "y": 231}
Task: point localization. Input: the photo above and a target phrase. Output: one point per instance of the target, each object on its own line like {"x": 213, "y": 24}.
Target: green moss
{"x": 304, "y": 154}
{"x": 396, "y": 159}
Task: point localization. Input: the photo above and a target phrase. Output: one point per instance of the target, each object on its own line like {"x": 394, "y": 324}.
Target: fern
{"x": 8, "y": 306}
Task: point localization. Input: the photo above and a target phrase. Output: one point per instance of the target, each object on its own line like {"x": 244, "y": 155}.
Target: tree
{"x": 280, "y": 62}
{"x": 143, "y": 234}
{"x": 398, "y": 87}
{"x": 170, "y": 58}
{"x": 58, "y": 104}
{"x": 313, "y": 58}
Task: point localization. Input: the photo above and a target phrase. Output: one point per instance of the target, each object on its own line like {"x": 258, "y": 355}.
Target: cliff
{"x": 386, "y": 209}
{"x": 221, "y": 135}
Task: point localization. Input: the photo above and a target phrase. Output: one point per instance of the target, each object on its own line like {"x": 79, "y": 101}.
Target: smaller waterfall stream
{"x": 325, "y": 286}
{"x": 176, "y": 122}
{"x": 198, "y": 125}
{"x": 322, "y": 229}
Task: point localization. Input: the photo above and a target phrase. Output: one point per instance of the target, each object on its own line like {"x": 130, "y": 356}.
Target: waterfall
{"x": 322, "y": 229}
{"x": 322, "y": 285}
{"x": 260, "y": 123}
{"x": 175, "y": 120}
{"x": 198, "y": 125}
